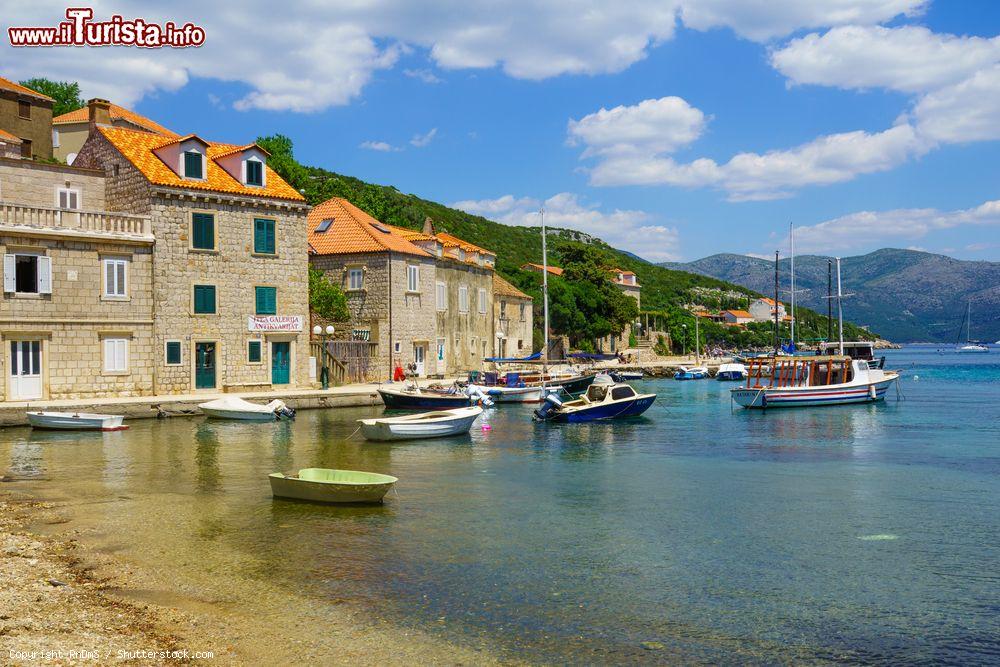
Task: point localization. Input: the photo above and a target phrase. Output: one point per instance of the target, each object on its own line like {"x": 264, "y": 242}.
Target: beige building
{"x": 25, "y": 121}
{"x": 70, "y": 130}
{"x": 76, "y": 319}
{"x": 230, "y": 280}
{"x": 513, "y": 320}
{"x": 425, "y": 298}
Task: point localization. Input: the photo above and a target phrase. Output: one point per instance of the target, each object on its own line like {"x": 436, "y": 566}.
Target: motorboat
{"x": 571, "y": 381}
{"x": 626, "y": 376}
{"x": 693, "y": 373}
{"x": 732, "y": 371}
{"x": 518, "y": 394}
{"x": 324, "y": 485}
{"x": 807, "y": 381}
{"x": 76, "y": 421}
{"x": 974, "y": 348}
{"x": 233, "y": 407}
{"x": 437, "y": 424}
{"x": 412, "y": 397}
{"x": 605, "y": 399}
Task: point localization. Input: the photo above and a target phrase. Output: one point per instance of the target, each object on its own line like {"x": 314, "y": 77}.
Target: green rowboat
{"x": 323, "y": 485}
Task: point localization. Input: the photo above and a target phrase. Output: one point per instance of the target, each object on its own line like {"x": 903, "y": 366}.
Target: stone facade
{"x": 36, "y": 128}
{"x": 39, "y": 183}
{"x": 467, "y": 335}
{"x": 514, "y": 319}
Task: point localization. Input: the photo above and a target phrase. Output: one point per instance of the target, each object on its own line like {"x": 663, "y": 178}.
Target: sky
{"x": 674, "y": 129}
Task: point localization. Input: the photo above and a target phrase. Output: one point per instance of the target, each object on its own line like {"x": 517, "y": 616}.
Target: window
{"x": 254, "y": 351}
{"x": 472, "y": 344}
{"x": 523, "y": 308}
{"x": 482, "y": 300}
{"x": 266, "y": 300}
{"x": 173, "y": 353}
{"x": 355, "y": 279}
{"x": 24, "y": 109}
{"x": 204, "y": 299}
{"x": 440, "y": 345}
{"x": 115, "y": 355}
{"x": 503, "y": 310}
{"x": 412, "y": 278}
{"x": 27, "y": 274}
{"x": 203, "y": 231}
{"x": 324, "y": 225}
{"x": 25, "y": 147}
{"x": 55, "y": 138}
{"x": 622, "y": 392}
{"x": 463, "y": 299}
{"x": 193, "y": 165}
{"x": 263, "y": 236}
{"x": 68, "y": 198}
{"x": 255, "y": 172}
{"x": 397, "y": 346}
{"x": 441, "y": 291}
{"x": 114, "y": 278}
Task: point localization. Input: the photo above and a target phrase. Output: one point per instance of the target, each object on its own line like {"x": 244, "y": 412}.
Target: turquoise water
{"x": 863, "y": 534}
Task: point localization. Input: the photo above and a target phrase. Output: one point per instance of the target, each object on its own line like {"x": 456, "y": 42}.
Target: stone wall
{"x": 469, "y": 336}
{"x": 508, "y": 320}
{"x": 38, "y": 129}
{"x": 36, "y": 183}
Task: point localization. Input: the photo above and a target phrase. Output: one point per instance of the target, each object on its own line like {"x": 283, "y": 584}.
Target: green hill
{"x": 664, "y": 291}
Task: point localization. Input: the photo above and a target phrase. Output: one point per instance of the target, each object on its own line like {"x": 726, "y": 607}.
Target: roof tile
{"x": 354, "y": 231}
{"x": 82, "y": 115}
{"x": 18, "y": 88}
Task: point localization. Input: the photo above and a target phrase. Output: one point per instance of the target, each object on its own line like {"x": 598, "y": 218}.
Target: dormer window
{"x": 193, "y": 165}
{"x": 255, "y": 173}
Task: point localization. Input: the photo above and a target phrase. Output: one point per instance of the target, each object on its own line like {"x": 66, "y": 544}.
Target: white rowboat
{"x": 75, "y": 421}
{"x": 233, "y": 407}
{"x": 438, "y": 424}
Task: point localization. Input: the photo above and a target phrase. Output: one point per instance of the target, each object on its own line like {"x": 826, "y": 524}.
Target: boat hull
{"x": 730, "y": 376}
{"x": 574, "y": 385}
{"x": 756, "y": 398}
{"x": 239, "y": 414}
{"x": 325, "y": 492}
{"x": 604, "y": 411}
{"x": 519, "y": 394}
{"x": 390, "y": 429}
{"x": 67, "y": 421}
{"x": 412, "y": 401}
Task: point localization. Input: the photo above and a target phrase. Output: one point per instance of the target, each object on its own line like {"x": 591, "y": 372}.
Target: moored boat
{"x": 626, "y": 376}
{"x": 437, "y": 424}
{"x": 731, "y": 372}
{"x": 325, "y": 485}
{"x": 518, "y": 394}
{"x": 693, "y": 373}
{"x": 233, "y": 407}
{"x": 605, "y": 399}
{"x": 812, "y": 381}
{"x": 412, "y": 397}
{"x": 970, "y": 346}
{"x": 75, "y": 421}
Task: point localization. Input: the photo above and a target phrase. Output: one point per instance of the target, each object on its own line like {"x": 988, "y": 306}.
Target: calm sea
{"x": 698, "y": 533}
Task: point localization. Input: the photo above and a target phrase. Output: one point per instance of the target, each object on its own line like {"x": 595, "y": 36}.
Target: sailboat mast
{"x": 968, "y": 322}
{"x": 545, "y": 299}
{"x": 829, "y": 300}
{"x": 776, "y": 341}
{"x": 791, "y": 238}
{"x": 840, "y": 310}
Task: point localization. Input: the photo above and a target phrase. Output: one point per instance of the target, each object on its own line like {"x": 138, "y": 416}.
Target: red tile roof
{"x": 354, "y": 231}
{"x": 739, "y": 313}
{"x": 9, "y": 138}
{"x": 18, "y": 88}
{"x": 504, "y": 288}
{"x": 554, "y": 270}
{"x": 82, "y": 115}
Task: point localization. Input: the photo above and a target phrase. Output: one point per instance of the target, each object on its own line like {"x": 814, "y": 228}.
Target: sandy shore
{"x": 66, "y": 603}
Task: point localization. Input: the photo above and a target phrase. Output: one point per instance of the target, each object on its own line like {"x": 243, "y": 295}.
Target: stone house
{"x": 513, "y": 319}
{"x": 762, "y": 310}
{"x": 736, "y": 316}
{"x": 26, "y": 115}
{"x": 70, "y": 130}
{"x": 76, "y": 316}
{"x": 230, "y": 280}
{"x": 425, "y": 298}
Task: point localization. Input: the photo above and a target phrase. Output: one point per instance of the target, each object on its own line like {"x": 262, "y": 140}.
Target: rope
{"x": 353, "y": 434}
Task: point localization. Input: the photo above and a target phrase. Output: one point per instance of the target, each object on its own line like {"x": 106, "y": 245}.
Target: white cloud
{"x": 761, "y": 20}
{"x": 421, "y": 140}
{"x": 861, "y": 230}
{"x": 635, "y": 231}
{"x": 910, "y": 59}
{"x": 966, "y": 111}
{"x": 380, "y": 146}
{"x": 655, "y": 126}
{"x": 424, "y": 75}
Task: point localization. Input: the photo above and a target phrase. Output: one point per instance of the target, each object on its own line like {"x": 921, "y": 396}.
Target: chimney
{"x": 99, "y": 112}
{"x": 428, "y": 226}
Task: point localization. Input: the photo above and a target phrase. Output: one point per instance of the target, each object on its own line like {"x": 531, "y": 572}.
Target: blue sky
{"x": 671, "y": 129}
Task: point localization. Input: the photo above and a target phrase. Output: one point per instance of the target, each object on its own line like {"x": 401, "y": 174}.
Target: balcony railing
{"x": 86, "y": 222}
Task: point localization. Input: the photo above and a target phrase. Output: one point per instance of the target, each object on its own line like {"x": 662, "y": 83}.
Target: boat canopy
{"x": 508, "y": 360}
{"x": 593, "y": 356}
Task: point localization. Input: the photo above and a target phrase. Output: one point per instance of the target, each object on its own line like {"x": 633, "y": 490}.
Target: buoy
{"x": 916, "y": 377}
{"x": 487, "y": 427}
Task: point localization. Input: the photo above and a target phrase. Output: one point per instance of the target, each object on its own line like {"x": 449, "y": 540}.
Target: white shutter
{"x": 73, "y": 200}
{"x": 109, "y": 278}
{"x": 121, "y": 354}
{"x": 109, "y": 354}
{"x": 120, "y": 285}
{"x": 44, "y": 274}
{"x": 63, "y": 194}
{"x": 9, "y": 276}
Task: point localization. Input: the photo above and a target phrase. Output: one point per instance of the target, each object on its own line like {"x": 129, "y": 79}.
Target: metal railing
{"x": 43, "y": 217}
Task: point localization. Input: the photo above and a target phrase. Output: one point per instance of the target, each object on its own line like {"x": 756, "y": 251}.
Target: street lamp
{"x": 685, "y": 340}
{"x": 324, "y": 373}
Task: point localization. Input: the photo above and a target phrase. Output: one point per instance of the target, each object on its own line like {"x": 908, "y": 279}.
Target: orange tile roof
{"x": 766, "y": 300}
{"x": 82, "y": 115}
{"x": 18, "y": 88}
{"x": 354, "y": 231}
{"x": 138, "y": 146}
{"x": 448, "y": 240}
{"x": 9, "y": 138}
{"x": 504, "y": 288}
{"x": 554, "y": 270}
{"x": 738, "y": 313}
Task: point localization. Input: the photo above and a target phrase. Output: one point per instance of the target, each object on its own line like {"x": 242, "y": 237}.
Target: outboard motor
{"x": 478, "y": 396}
{"x": 548, "y": 408}
{"x": 284, "y": 412}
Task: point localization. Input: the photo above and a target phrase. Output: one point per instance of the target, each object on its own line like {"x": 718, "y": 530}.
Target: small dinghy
{"x": 232, "y": 407}
{"x": 695, "y": 373}
{"x": 626, "y": 376}
{"x": 437, "y": 424}
{"x": 603, "y": 400}
{"x": 324, "y": 485}
{"x": 731, "y": 372}
{"x": 75, "y": 421}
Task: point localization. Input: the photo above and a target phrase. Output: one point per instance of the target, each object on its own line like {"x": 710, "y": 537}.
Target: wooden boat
{"x": 413, "y": 397}
{"x": 324, "y": 485}
{"x": 233, "y": 407}
{"x": 807, "y": 381}
{"x": 572, "y": 382}
{"x": 424, "y": 425}
{"x": 76, "y": 421}
{"x": 603, "y": 400}
{"x": 731, "y": 372}
{"x": 693, "y": 373}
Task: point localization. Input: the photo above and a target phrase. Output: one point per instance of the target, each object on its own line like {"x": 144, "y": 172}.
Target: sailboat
{"x": 969, "y": 347}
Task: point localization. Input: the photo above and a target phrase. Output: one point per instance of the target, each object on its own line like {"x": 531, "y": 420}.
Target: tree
{"x": 65, "y": 93}
{"x": 326, "y": 299}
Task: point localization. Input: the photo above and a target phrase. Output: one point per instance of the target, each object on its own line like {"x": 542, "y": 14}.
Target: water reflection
{"x": 206, "y": 456}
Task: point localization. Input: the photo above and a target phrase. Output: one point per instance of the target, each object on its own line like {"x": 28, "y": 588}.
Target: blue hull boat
{"x": 603, "y": 400}
{"x": 699, "y": 373}
{"x": 406, "y": 399}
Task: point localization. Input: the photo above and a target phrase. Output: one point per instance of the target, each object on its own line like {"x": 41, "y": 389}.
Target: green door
{"x": 281, "y": 354}
{"x": 204, "y": 365}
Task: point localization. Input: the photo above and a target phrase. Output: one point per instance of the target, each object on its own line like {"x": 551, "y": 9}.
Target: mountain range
{"x": 903, "y": 295}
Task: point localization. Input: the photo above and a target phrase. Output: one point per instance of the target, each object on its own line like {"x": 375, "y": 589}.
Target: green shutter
{"x": 266, "y": 300}
{"x": 203, "y": 231}
{"x": 173, "y": 352}
{"x": 263, "y": 236}
{"x": 255, "y": 173}
{"x": 253, "y": 352}
{"x": 192, "y": 165}
{"x": 204, "y": 299}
